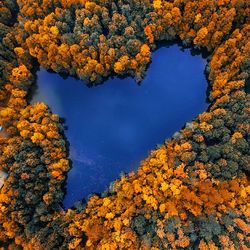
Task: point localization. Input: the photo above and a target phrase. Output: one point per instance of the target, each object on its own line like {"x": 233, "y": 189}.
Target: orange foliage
{"x": 190, "y": 179}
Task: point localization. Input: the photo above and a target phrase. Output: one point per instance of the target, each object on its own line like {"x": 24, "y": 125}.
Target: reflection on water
{"x": 112, "y": 127}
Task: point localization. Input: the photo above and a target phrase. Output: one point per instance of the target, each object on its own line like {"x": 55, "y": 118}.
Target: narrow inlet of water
{"x": 112, "y": 127}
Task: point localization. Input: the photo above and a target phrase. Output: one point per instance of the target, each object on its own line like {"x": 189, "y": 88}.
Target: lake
{"x": 112, "y": 127}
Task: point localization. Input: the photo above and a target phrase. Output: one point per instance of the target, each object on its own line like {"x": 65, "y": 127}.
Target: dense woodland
{"x": 193, "y": 192}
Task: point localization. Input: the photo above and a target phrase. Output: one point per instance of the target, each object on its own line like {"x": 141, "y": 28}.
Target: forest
{"x": 192, "y": 192}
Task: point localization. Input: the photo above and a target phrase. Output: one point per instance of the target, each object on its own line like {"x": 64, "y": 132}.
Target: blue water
{"x": 112, "y": 127}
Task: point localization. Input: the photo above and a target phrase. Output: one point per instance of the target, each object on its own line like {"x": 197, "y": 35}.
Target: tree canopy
{"x": 192, "y": 192}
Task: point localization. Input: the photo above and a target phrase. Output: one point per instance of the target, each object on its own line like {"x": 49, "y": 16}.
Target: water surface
{"x": 112, "y": 127}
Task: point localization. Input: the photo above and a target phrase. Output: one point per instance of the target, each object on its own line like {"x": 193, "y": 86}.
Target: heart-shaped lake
{"x": 112, "y": 127}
